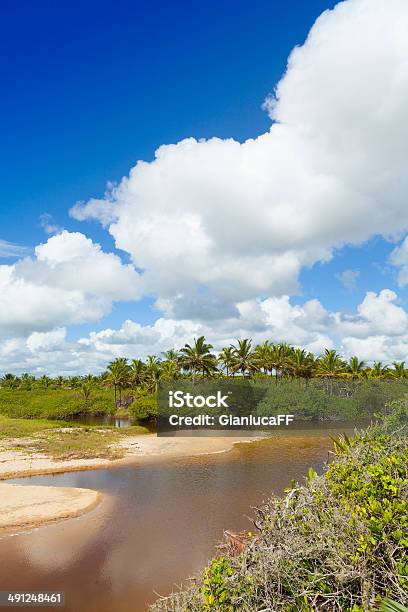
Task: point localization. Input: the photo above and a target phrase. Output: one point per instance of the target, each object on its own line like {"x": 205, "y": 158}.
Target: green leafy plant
{"x": 215, "y": 591}
{"x": 392, "y": 606}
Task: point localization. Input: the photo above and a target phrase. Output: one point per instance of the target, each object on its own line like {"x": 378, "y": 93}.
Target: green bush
{"x": 144, "y": 406}
{"x": 310, "y": 403}
{"x": 338, "y": 542}
{"x": 53, "y": 403}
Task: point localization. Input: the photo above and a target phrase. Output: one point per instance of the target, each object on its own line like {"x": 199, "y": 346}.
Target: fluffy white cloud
{"x": 377, "y": 315}
{"x": 379, "y": 330}
{"x": 46, "y": 340}
{"x": 69, "y": 280}
{"x": 240, "y": 220}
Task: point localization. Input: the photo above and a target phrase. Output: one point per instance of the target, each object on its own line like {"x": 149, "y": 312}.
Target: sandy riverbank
{"x": 23, "y": 506}
{"x": 16, "y": 463}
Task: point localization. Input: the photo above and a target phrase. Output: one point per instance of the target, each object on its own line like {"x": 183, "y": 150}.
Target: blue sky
{"x": 91, "y": 88}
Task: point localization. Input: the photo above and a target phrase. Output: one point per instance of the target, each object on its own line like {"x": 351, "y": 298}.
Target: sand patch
{"x": 28, "y": 506}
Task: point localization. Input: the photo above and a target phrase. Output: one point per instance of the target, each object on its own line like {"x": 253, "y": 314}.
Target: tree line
{"x": 199, "y": 360}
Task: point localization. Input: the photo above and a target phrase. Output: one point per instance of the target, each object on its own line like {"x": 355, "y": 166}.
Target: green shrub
{"x": 337, "y": 543}
{"x": 144, "y": 406}
{"x": 53, "y": 403}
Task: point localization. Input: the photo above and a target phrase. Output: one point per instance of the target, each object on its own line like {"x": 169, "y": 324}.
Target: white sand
{"x": 22, "y": 507}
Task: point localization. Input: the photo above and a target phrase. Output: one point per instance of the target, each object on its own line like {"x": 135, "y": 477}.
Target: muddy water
{"x": 158, "y": 523}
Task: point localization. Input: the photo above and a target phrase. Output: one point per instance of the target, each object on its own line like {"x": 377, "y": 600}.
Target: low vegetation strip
{"x": 338, "y": 542}
{"x": 61, "y": 440}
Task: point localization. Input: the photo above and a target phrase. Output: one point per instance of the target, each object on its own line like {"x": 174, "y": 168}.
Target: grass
{"x": 21, "y": 428}
{"x": 62, "y": 440}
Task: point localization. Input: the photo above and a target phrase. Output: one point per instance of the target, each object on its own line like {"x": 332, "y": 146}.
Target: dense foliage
{"x": 336, "y": 543}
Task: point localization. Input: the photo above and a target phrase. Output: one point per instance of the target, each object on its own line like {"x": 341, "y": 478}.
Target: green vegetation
{"x": 130, "y": 387}
{"x": 54, "y": 402}
{"x": 338, "y": 542}
{"x": 21, "y": 428}
{"x": 62, "y": 440}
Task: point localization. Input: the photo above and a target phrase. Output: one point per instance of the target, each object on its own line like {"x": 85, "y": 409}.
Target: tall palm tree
{"x": 300, "y": 364}
{"x": 243, "y": 360}
{"x": 226, "y": 358}
{"x": 118, "y": 376}
{"x": 152, "y": 370}
{"x": 329, "y": 367}
{"x": 137, "y": 372}
{"x": 355, "y": 368}
{"x": 198, "y": 358}
{"x": 153, "y": 377}
{"x": 262, "y": 356}
{"x": 280, "y": 354}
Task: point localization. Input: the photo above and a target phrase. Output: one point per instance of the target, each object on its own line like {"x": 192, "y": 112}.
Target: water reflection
{"x": 102, "y": 419}
{"x": 157, "y": 525}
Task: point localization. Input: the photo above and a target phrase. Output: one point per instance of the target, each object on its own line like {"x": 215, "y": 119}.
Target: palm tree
{"x": 85, "y": 391}
{"x": 243, "y": 360}
{"x": 300, "y": 364}
{"x": 89, "y": 378}
{"x": 171, "y": 355}
{"x": 170, "y": 370}
{"x": 262, "y": 356}
{"x": 399, "y": 370}
{"x": 45, "y": 381}
{"x": 137, "y": 372}
{"x": 226, "y": 358}
{"x": 198, "y": 358}
{"x": 60, "y": 381}
{"x": 355, "y": 368}
{"x": 74, "y": 382}
{"x": 378, "y": 370}
{"x": 280, "y": 354}
{"x": 26, "y": 380}
{"x": 9, "y": 380}
{"x": 152, "y": 362}
{"x": 329, "y": 367}
{"x": 118, "y": 376}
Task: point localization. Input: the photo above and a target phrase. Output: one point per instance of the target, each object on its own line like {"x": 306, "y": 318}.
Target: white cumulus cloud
{"x": 69, "y": 280}
{"x": 240, "y": 220}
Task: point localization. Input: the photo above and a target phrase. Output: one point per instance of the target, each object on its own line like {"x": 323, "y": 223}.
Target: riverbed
{"x": 158, "y": 523}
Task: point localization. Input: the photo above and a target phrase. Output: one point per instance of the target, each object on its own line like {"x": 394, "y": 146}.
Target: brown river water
{"x": 158, "y": 522}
